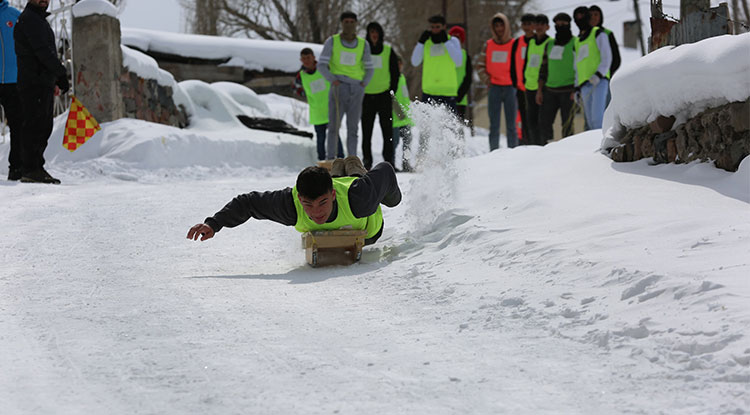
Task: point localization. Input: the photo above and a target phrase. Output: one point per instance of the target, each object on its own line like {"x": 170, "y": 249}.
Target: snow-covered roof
{"x": 251, "y": 54}
{"x": 89, "y": 7}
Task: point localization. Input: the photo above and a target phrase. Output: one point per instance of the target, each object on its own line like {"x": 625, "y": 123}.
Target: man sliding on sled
{"x": 347, "y": 197}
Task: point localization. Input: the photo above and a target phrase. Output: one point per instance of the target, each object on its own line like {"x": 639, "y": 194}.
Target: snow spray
{"x": 438, "y": 140}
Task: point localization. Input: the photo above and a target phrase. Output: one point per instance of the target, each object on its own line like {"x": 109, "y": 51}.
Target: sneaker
{"x": 353, "y": 166}
{"x": 14, "y": 174}
{"x": 39, "y": 176}
{"x": 337, "y": 168}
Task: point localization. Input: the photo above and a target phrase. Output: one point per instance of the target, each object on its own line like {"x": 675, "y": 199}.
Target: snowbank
{"x": 678, "y": 81}
{"x": 89, "y": 7}
{"x": 251, "y": 54}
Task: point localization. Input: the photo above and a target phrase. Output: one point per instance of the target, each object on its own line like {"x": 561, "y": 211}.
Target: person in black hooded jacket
{"x": 379, "y": 95}
{"x": 41, "y": 76}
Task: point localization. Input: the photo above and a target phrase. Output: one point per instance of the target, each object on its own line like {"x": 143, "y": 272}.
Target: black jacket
{"x": 38, "y": 64}
{"x": 378, "y": 186}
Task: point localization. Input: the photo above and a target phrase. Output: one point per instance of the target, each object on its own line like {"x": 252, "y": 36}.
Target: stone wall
{"x": 146, "y": 99}
{"x": 721, "y": 135}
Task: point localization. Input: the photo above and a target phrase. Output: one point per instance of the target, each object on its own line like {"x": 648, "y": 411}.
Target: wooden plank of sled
{"x": 338, "y": 247}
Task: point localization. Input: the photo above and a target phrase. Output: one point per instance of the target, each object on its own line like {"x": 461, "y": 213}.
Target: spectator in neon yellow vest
{"x": 592, "y": 63}
{"x": 532, "y": 64}
{"x": 440, "y": 55}
{"x": 520, "y": 45}
{"x": 345, "y": 62}
{"x": 401, "y": 121}
{"x": 463, "y": 73}
{"x": 557, "y": 80}
{"x": 311, "y": 85}
{"x": 378, "y": 94}
{"x": 317, "y": 202}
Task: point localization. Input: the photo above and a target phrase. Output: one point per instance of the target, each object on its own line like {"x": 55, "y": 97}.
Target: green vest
{"x": 316, "y": 90}
{"x": 344, "y": 216}
{"x": 608, "y": 33}
{"x": 560, "y": 69}
{"x": 438, "y": 71}
{"x": 347, "y": 61}
{"x": 381, "y": 76}
{"x": 587, "y": 56}
{"x": 460, "y": 74}
{"x": 402, "y": 97}
{"x": 534, "y": 55}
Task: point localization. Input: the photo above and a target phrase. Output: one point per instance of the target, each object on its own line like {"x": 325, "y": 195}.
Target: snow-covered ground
{"x": 525, "y": 281}
{"x": 537, "y": 280}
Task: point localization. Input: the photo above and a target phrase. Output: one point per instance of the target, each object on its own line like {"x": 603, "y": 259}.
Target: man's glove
{"x": 425, "y": 35}
{"x": 63, "y": 84}
{"x": 441, "y": 37}
{"x": 594, "y": 80}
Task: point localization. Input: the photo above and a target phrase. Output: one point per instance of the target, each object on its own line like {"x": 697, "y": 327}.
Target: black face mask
{"x": 563, "y": 34}
{"x": 584, "y": 23}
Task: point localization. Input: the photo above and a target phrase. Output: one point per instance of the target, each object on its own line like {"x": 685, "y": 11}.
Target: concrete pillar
{"x": 97, "y": 62}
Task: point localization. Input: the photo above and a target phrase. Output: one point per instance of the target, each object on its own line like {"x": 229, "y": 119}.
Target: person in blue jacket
{"x": 8, "y": 88}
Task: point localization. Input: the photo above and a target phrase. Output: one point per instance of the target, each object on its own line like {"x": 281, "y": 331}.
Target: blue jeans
{"x": 500, "y": 96}
{"x": 594, "y": 103}
{"x": 320, "y": 132}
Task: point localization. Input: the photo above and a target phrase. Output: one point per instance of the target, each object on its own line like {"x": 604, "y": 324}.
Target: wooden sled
{"x": 339, "y": 247}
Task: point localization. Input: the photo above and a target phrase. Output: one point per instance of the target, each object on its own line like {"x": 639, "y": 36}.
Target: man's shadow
{"x": 305, "y": 274}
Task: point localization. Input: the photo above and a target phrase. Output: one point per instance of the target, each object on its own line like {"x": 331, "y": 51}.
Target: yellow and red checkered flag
{"x": 80, "y": 126}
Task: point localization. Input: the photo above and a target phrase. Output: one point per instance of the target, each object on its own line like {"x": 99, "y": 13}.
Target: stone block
{"x": 662, "y": 124}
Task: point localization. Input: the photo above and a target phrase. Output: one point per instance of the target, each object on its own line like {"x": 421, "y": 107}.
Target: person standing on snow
{"x": 592, "y": 63}
{"x": 311, "y": 85}
{"x": 345, "y": 62}
{"x": 41, "y": 77}
{"x": 378, "y": 94}
{"x": 496, "y": 66}
{"x": 440, "y": 56}
{"x": 520, "y": 45}
{"x": 597, "y": 20}
{"x": 463, "y": 73}
{"x": 9, "y": 89}
{"x": 532, "y": 64}
{"x": 557, "y": 78}
{"x": 401, "y": 121}
{"x": 319, "y": 201}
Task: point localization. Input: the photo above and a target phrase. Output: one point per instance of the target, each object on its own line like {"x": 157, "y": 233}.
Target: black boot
{"x": 14, "y": 174}
{"x": 39, "y": 176}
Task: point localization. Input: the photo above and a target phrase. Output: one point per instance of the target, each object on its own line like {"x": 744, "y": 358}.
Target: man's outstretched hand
{"x": 200, "y": 230}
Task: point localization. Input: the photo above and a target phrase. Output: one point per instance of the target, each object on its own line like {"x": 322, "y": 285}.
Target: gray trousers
{"x": 343, "y": 99}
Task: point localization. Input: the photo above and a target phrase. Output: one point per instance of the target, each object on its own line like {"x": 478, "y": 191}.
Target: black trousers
{"x": 521, "y": 101}
{"x": 380, "y": 105}
{"x": 552, "y": 102}
{"x": 37, "y": 104}
{"x": 533, "y": 118}
{"x": 13, "y": 114}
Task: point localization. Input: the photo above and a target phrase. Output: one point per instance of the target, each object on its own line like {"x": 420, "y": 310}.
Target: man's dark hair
{"x": 528, "y": 18}
{"x": 562, "y": 17}
{"x": 306, "y": 51}
{"x": 541, "y": 19}
{"x": 347, "y": 15}
{"x": 437, "y": 19}
{"x": 581, "y": 10}
{"x": 313, "y": 182}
